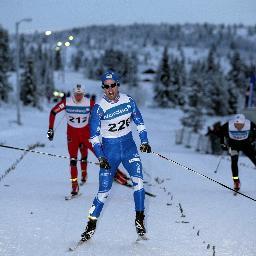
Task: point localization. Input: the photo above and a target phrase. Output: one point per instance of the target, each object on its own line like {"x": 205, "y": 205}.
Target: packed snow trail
{"x": 189, "y": 216}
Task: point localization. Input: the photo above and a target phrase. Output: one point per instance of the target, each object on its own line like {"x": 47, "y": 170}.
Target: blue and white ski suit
{"x": 111, "y": 120}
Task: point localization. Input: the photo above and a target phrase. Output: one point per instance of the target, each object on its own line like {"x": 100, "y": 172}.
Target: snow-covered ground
{"x": 190, "y": 216}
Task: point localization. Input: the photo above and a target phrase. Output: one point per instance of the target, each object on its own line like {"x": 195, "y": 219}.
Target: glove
{"x": 50, "y": 134}
{"x": 104, "y": 163}
{"x": 224, "y": 147}
{"x": 145, "y": 148}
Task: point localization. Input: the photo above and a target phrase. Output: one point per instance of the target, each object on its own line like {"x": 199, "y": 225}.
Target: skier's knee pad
{"x": 73, "y": 162}
{"x": 138, "y": 183}
{"x": 84, "y": 159}
{"x": 102, "y": 197}
{"x": 233, "y": 152}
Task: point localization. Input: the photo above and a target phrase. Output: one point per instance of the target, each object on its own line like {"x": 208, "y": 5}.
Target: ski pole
{"x": 44, "y": 153}
{"x": 13, "y": 166}
{"x": 202, "y": 175}
{"x": 221, "y": 157}
{"x": 58, "y": 123}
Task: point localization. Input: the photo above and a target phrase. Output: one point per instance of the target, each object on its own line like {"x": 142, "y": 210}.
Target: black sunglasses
{"x": 107, "y": 86}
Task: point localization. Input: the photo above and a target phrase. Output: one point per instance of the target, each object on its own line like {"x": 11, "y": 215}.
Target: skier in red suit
{"x": 78, "y": 109}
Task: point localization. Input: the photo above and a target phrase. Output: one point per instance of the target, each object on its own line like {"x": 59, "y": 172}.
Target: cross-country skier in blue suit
{"x": 111, "y": 120}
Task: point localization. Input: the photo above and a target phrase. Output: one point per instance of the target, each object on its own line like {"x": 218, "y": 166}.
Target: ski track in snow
{"x": 191, "y": 216}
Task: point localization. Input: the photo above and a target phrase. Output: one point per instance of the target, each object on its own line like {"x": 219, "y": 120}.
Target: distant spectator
{"x": 247, "y": 96}
{"x": 214, "y": 135}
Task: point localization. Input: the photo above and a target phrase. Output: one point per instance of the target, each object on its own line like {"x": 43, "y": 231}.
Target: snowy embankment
{"x": 190, "y": 216}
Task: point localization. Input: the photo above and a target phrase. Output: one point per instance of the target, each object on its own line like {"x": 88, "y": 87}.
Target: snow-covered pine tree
{"x": 237, "y": 82}
{"x": 177, "y": 82}
{"x": 233, "y": 96}
{"x": 237, "y": 72}
{"x": 162, "y": 90}
{"x": 113, "y": 60}
{"x": 134, "y": 70}
{"x": 22, "y": 50}
{"x": 39, "y": 67}
{"x": 4, "y": 65}
{"x": 182, "y": 77}
{"x": 58, "y": 60}
{"x": 215, "y": 86}
{"x": 28, "y": 93}
{"x": 121, "y": 63}
{"x": 48, "y": 79}
{"x": 193, "y": 111}
{"x": 77, "y": 60}
{"x": 130, "y": 69}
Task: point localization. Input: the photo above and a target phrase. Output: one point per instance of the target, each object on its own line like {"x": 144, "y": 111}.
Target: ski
{"x": 146, "y": 192}
{"x": 70, "y": 197}
{"x": 235, "y": 193}
{"x": 78, "y": 244}
{"x": 150, "y": 194}
{"x": 82, "y": 183}
{"x": 141, "y": 238}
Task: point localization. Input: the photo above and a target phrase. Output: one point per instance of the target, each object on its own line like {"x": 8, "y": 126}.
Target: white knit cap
{"x": 79, "y": 89}
{"x": 239, "y": 118}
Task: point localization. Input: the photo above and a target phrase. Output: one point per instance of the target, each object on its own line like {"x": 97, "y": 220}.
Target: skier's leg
{"x": 120, "y": 177}
{"x": 105, "y": 184}
{"x": 249, "y": 152}
{"x": 84, "y": 153}
{"x": 134, "y": 167}
{"x": 132, "y": 164}
{"x": 73, "y": 149}
{"x": 234, "y": 167}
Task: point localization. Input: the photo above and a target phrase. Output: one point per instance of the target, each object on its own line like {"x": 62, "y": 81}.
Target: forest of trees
{"x": 203, "y": 69}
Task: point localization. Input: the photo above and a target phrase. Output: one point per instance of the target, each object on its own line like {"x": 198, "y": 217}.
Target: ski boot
{"x": 74, "y": 192}
{"x": 83, "y": 178}
{"x": 139, "y": 223}
{"x": 89, "y": 230}
{"x": 237, "y": 185}
{"x": 75, "y": 188}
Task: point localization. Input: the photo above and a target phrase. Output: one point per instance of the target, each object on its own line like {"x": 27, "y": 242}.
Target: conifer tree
{"x": 215, "y": 86}
{"x": 163, "y": 82}
{"x": 193, "y": 111}
{"x": 4, "y": 65}
{"x": 28, "y": 92}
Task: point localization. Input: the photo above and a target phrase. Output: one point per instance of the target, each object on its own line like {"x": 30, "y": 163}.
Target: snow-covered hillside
{"x": 190, "y": 215}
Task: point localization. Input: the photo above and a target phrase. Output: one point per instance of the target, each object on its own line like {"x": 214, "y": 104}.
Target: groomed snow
{"x": 190, "y": 216}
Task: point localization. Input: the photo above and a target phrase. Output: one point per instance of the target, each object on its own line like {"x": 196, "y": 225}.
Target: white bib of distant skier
{"x": 77, "y": 113}
{"x": 117, "y": 117}
{"x": 235, "y": 134}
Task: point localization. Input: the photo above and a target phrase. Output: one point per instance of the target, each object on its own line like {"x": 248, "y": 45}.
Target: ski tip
{"x": 78, "y": 244}
{"x": 69, "y": 197}
{"x": 142, "y": 238}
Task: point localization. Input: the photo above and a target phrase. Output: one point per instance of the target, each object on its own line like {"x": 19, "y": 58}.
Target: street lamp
{"x": 50, "y": 61}
{"x": 18, "y": 66}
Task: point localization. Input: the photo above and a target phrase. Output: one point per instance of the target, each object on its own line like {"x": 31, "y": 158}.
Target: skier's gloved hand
{"x": 145, "y": 147}
{"x": 224, "y": 147}
{"x": 50, "y": 134}
{"x": 104, "y": 163}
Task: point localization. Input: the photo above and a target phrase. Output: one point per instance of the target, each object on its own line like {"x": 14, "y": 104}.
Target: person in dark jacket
{"x": 238, "y": 135}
